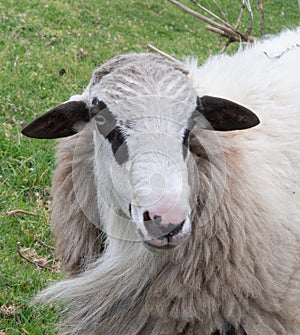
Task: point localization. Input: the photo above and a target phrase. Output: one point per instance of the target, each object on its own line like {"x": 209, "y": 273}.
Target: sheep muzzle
{"x": 157, "y": 234}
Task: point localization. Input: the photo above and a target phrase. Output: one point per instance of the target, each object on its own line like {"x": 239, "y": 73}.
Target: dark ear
{"x": 60, "y": 121}
{"x": 225, "y": 115}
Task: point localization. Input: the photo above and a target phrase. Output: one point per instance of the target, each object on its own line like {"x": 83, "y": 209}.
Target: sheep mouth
{"x": 168, "y": 241}
{"x": 154, "y": 247}
{"x": 157, "y": 236}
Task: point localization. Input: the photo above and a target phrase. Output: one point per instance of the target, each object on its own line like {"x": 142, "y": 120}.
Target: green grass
{"x": 37, "y": 40}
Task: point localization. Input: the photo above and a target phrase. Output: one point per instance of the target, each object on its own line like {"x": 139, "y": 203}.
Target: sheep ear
{"x": 225, "y": 115}
{"x": 61, "y": 121}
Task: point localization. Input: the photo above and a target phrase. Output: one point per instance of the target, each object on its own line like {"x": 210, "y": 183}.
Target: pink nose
{"x": 168, "y": 215}
{"x": 158, "y": 230}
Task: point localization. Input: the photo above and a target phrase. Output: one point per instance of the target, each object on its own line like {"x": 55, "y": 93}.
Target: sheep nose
{"x": 157, "y": 229}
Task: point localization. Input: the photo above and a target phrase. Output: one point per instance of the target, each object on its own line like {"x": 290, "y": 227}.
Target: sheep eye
{"x": 185, "y": 143}
{"x": 100, "y": 119}
{"x": 118, "y": 144}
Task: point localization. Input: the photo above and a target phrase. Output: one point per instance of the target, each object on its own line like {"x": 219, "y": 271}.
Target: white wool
{"x": 265, "y": 78}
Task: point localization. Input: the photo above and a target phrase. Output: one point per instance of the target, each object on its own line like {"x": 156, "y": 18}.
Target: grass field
{"x": 37, "y": 40}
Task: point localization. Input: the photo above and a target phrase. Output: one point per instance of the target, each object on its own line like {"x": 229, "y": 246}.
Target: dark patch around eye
{"x": 118, "y": 144}
{"x": 186, "y": 143}
{"x": 107, "y": 126}
{"x": 97, "y": 106}
{"x": 105, "y": 121}
{"x": 100, "y": 104}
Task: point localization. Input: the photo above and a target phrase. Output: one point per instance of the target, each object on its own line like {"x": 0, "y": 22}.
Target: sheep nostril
{"x": 157, "y": 218}
{"x": 156, "y": 229}
{"x": 146, "y": 216}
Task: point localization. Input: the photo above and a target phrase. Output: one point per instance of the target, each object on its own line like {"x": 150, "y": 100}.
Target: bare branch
{"x": 44, "y": 244}
{"x": 22, "y": 255}
{"x": 16, "y": 211}
{"x": 262, "y": 16}
{"x": 211, "y": 13}
{"x": 250, "y": 28}
{"x": 225, "y": 46}
{"x": 220, "y": 32}
{"x": 162, "y": 53}
{"x": 200, "y": 16}
{"x": 31, "y": 257}
{"x": 221, "y": 10}
{"x": 225, "y": 28}
{"x": 243, "y": 6}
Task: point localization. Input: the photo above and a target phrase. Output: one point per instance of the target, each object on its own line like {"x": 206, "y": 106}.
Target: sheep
{"x": 176, "y": 195}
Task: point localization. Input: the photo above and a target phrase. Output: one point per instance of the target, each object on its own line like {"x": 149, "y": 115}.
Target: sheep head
{"x": 142, "y": 109}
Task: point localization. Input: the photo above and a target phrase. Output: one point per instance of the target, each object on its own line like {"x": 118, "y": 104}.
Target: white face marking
{"x": 154, "y": 179}
{"x": 153, "y": 116}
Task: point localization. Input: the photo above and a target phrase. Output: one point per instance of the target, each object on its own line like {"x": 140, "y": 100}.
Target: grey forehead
{"x": 138, "y": 75}
{"x": 133, "y": 61}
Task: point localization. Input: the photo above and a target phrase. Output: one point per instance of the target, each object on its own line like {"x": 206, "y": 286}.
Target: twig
{"x": 245, "y": 4}
{"x": 43, "y": 243}
{"x": 282, "y": 53}
{"x": 16, "y": 211}
{"x": 250, "y": 28}
{"x": 21, "y": 254}
{"x": 221, "y": 10}
{"x": 211, "y": 14}
{"x": 240, "y": 14}
{"x": 225, "y": 46}
{"x": 220, "y": 32}
{"x": 40, "y": 263}
{"x": 162, "y": 53}
{"x": 201, "y": 17}
{"x": 262, "y": 16}
{"x": 227, "y": 29}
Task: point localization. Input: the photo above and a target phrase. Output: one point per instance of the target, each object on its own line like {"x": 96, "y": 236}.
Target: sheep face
{"x": 141, "y": 109}
{"x": 142, "y": 145}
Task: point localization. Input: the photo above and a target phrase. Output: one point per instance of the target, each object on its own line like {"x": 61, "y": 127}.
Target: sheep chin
{"x": 159, "y": 245}
{"x": 164, "y": 243}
